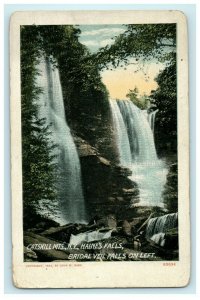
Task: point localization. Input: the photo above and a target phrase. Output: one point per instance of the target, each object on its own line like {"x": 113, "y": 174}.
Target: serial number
{"x": 169, "y": 264}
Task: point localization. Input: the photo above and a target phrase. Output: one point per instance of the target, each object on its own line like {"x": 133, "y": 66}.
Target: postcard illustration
{"x": 99, "y": 131}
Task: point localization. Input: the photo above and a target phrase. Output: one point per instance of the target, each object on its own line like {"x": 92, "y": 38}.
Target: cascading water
{"x": 139, "y": 133}
{"x": 151, "y": 118}
{"x": 70, "y": 203}
{"x": 161, "y": 224}
{"x": 147, "y": 170}
{"x": 121, "y": 135}
{"x": 156, "y": 227}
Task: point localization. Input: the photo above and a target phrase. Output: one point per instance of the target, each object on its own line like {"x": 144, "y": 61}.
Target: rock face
{"x": 96, "y": 128}
{"x": 105, "y": 238}
{"x": 107, "y": 188}
{"x": 29, "y": 255}
{"x": 49, "y": 254}
{"x": 171, "y": 238}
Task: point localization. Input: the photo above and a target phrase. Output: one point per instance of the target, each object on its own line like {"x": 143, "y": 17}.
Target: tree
{"x": 38, "y": 161}
{"x": 142, "y": 43}
{"x": 85, "y": 96}
{"x": 83, "y": 92}
{"x": 79, "y": 73}
{"x": 140, "y": 102}
{"x": 165, "y": 100}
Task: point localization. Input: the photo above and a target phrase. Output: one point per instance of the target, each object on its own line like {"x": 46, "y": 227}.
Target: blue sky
{"x": 97, "y": 36}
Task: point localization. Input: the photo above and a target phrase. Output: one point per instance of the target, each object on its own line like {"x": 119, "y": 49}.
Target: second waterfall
{"x": 137, "y": 151}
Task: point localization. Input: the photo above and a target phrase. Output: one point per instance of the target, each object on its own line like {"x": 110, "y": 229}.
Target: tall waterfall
{"x": 147, "y": 170}
{"x": 70, "y": 203}
{"x": 121, "y": 135}
{"x": 140, "y": 134}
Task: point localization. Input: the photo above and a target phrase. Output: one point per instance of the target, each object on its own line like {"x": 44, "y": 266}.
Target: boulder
{"x": 104, "y": 161}
{"x": 29, "y": 255}
{"x": 108, "y": 222}
{"x": 53, "y": 230}
{"x": 84, "y": 149}
{"x": 61, "y": 233}
{"x": 44, "y": 255}
{"x": 111, "y": 221}
{"x": 127, "y": 228}
{"x": 36, "y": 223}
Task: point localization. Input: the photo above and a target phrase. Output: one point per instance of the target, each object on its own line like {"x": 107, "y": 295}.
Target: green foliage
{"x": 37, "y": 149}
{"x": 140, "y": 102}
{"x": 80, "y": 77}
{"x": 142, "y": 42}
{"x": 83, "y": 91}
{"x": 165, "y": 100}
{"x": 85, "y": 96}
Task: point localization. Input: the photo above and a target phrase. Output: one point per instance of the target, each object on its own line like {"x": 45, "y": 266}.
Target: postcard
{"x": 99, "y": 149}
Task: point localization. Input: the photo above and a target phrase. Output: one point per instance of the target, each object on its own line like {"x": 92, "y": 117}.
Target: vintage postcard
{"x": 100, "y": 149}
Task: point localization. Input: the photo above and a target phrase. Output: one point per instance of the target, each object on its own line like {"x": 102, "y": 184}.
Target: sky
{"x": 119, "y": 81}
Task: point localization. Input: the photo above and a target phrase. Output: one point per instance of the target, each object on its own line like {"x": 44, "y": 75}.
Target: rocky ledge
{"x": 102, "y": 239}
{"x": 107, "y": 188}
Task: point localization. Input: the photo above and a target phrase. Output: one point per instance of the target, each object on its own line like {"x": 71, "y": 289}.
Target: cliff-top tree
{"x": 141, "y": 42}
{"x": 139, "y": 101}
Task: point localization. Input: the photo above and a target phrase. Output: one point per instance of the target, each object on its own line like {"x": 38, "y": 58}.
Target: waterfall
{"x": 151, "y": 118}
{"x": 121, "y": 135}
{"x": 161, "y": 224}
{"x": 147, "y": 170}
{"x": 139, "y": 133}
{"x": 70, "y": 201}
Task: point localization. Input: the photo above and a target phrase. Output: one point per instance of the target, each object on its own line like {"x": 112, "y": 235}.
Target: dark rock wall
{"x": 170, "y": 193}
{"x": 97, "y": 130}
{"x": 107, "y": 188}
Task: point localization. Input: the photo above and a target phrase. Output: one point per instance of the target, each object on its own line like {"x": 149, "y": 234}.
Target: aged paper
{"x": 100, "y": 149}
